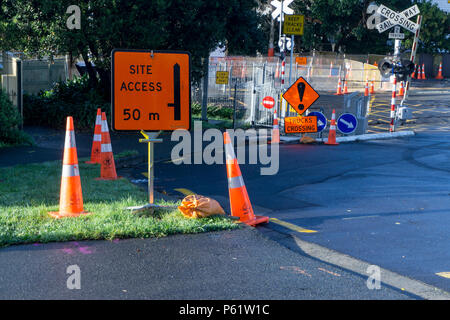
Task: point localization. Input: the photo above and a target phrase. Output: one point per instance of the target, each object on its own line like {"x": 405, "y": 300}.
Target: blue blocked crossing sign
{"x": 347, "y": 123}
{"x": 321, "y": 120}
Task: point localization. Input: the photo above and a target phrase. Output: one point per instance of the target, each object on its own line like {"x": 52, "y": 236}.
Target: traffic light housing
{"x": 402, "y": 69}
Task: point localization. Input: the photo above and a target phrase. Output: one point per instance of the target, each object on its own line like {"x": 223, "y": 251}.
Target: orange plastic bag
{"x": 196, "y": 206}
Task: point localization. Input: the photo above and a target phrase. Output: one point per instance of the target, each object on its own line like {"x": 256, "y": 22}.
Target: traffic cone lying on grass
{"x": 239, "y": 201}
{"x": 97, "y": 141}
{"x": 108, "y": 167}
{"x": 71, "y": 197}
{"x": 332, "y": 133}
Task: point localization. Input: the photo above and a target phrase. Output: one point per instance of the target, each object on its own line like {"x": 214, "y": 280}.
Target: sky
{"x": 443, "y": 4}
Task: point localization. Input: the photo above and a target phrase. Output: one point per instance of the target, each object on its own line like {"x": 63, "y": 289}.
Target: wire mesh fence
{"x": 249, "y": 80}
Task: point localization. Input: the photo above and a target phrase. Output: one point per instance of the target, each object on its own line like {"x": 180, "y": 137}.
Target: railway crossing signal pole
{"x": 397, "y": 20}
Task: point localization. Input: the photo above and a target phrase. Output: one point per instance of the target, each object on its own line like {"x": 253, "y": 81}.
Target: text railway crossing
{"x": 394, "y": 18}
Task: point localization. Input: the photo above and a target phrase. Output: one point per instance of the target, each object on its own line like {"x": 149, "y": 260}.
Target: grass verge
{"x": 28, "y": 192}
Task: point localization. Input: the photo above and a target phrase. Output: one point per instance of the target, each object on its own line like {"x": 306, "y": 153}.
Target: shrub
{"x": 214, "y": 111}
{"x": 72, "y": 98}
{"x": 9, "y": 123}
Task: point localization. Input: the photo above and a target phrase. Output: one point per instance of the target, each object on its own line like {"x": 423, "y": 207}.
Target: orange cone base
{"x": 256, "y": 220}
{"x": 331, "y": 144}
{"x": 439, "y": 78}
{"x": 58, "y": 215}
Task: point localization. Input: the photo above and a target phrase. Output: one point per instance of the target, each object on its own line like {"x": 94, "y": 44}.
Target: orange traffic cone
{"x": 239, "y": 200}
{"x": 366, "y": 88}
{"x": 345, "y": 87}
{"x": 71, "y": 197}
{"x": 108, "y": 167}
{"x": 372, "y": 87}
{"x": 243, "y": 71}
{"x": 276, "y": 129}
{"x": 401, "y": 91}
{"x": 339, "y": 89}
{"x": 439, "y": 75}
{"x": 423, "y": 72}
{"x": 413, "y": 75}
{"x": 97, "y": 141}
{"x": 332, "y": 133}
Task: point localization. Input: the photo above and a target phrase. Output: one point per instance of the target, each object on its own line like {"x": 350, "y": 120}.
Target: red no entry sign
{"x": 268, "y": 102}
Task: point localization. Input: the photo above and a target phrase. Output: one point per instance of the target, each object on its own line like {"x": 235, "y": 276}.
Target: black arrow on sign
{"x": 176, "y": 93}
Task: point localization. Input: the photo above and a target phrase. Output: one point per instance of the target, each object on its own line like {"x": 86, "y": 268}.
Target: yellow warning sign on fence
{"x": 222, "y": 77}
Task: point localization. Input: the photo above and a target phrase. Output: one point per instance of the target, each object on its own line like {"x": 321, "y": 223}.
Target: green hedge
{"x": 213, "y": 111}
{"x": 72, "y": 98}
{"x": 9, "y": 123}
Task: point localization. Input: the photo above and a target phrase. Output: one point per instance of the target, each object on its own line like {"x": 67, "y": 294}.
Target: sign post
{"x": 293, "y": 25}
{"x": 282, "y": 8}
{"x": 150, "y": 92}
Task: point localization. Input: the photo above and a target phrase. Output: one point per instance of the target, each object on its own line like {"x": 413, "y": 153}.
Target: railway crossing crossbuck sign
{"x": 394, "y": 18}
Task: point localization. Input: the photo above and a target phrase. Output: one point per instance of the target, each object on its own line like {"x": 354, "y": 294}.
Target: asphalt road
{"x": 385, "y": 202}
{"x": 381, "y": 202}
{"x": 240, "y": 264}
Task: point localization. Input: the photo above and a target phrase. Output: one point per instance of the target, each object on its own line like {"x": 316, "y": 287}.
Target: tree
{"x": 435, "y": 30}
{"x": 38, "y": 27}
{"x": 343, "y": 22}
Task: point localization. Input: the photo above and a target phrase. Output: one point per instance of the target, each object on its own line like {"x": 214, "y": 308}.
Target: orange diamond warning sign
{"x": 301, "y": 95}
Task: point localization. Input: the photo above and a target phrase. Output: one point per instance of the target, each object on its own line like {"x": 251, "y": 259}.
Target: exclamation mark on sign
{"x": 176, "y": 93}
{"x": 301, "y": 91}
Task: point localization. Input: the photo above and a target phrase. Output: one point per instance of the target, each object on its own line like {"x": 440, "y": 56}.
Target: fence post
{"x": 205, "y": 92}
{"x": 234, "y": 106}
{"x": 19, "y": 90}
